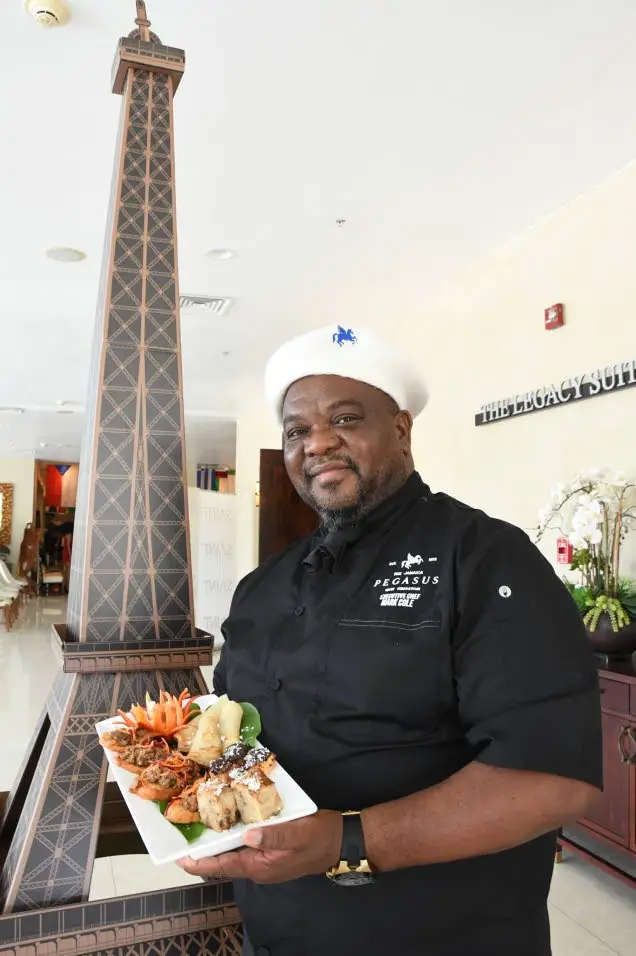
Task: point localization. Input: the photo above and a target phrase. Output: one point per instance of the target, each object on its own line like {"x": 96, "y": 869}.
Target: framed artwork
{"x": 6, "y": 514}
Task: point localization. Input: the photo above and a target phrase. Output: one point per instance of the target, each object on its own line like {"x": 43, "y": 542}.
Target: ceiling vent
{"x": 48, "y": 13}
{"x": 213, "y": 305}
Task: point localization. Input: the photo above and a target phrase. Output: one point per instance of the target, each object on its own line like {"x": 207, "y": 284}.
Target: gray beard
{"x": 338, "y": 518}
{"x": 335, "y": 519}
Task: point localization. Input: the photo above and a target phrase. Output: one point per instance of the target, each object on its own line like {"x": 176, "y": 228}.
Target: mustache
{"x": 342, "y": 460}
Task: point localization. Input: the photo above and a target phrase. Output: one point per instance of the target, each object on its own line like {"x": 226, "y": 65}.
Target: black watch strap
{"x": 353, "y": 850}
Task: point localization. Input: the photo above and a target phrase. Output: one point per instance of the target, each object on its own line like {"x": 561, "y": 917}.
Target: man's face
{"x": 346, "y": 445}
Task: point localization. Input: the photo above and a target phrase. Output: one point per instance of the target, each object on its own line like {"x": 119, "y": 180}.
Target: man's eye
{"x": 295, "y": 433}
{"x": 345, "y": 419}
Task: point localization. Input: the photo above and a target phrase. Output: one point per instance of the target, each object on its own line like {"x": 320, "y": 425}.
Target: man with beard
{"x": 424, "y": 676}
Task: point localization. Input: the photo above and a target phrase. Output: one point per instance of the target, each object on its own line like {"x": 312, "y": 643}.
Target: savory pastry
{"x": 233, "y": 757}
{"x": 184, "y": 808}
{"x": 256, "y": 796}
{"x": 217, "y": 804}
{"x": 117, "y": 739}
{"x": 166, "y": 779}
{"x": 186, "y": 734}
{"x": 139, "y": 756}
{"x": 206, "y": 745}
{"x": 230, "y": 719}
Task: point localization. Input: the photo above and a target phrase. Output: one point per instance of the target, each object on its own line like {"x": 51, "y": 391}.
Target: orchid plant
{"x": 596, "y": 513}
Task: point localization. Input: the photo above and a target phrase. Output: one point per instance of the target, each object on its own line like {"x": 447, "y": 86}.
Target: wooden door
{"x": 283, "y": 516}
{"x": 611, "y": 815}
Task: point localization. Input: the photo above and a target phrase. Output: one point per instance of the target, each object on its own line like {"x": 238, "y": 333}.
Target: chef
{"x": 421, "y": 672}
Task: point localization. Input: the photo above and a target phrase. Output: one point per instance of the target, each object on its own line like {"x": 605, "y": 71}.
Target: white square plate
{"x": 165, "y": 843}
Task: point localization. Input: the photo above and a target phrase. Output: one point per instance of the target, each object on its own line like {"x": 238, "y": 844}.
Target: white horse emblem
{"x": 411, "y": 560}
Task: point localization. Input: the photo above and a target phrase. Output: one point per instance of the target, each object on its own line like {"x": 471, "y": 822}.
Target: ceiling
{"x": 438, "y": 131}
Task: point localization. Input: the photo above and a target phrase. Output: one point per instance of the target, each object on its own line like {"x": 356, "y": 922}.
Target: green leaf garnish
{"x": 192, "y": 831}
{"x": 195, "y": 711}
{"x": 250, "y": 725}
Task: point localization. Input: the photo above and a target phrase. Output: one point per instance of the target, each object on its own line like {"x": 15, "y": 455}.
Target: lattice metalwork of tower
{"x": 130, "y": 625}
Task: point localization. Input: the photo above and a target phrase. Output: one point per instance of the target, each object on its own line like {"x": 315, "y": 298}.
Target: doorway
{"x": 283, "y": 516}
{"x": 55, "y": 500}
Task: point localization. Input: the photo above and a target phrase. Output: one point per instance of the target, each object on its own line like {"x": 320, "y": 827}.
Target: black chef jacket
{"x": 434, "y": 636}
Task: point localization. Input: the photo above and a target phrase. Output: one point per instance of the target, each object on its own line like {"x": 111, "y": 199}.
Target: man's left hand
{"x": 278, "y": 853}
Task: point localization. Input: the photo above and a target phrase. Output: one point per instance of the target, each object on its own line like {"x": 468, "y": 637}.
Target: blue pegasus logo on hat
{"x": 344, "y": 335}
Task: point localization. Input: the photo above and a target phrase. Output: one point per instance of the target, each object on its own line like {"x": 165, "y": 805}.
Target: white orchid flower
{"x": 586, "y": 517}
{"x": 559, "y": 492}
{"x": 618, "y": 480}
{"x": 593, "y": 474}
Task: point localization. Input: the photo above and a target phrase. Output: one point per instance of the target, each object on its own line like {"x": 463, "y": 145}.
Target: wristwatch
{"x": 353, "y": 869}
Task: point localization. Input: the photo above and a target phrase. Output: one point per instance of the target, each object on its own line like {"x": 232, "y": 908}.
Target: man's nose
{"x": 321, "y": 441}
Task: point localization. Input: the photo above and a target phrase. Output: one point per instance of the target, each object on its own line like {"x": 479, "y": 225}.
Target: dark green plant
{"x": 620, "y": 610}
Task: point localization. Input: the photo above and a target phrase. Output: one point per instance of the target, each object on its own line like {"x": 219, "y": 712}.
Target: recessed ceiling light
{"x": 65, "y": 403}
{"x": 8, "y": 410}
{"x": 65, "y": 254}
{"x": 220, "y": 255}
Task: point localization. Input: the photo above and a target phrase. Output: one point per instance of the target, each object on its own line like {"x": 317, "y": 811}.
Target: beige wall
{"x": 253, "y": 433}
{"x": 484, "y": 339}
{"x": 20, "y": 473}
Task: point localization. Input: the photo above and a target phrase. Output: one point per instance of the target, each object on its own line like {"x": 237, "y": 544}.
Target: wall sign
{"x": 598, "y": 382}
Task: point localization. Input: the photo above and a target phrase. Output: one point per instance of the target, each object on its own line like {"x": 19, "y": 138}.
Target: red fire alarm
{"x": 565, "y": 551}
{"x": 554, "y": 317}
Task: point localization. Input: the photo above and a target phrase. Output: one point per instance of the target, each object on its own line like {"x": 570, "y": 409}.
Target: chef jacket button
{"x": 275, "y": 683}
{"x": 299, "y": 610}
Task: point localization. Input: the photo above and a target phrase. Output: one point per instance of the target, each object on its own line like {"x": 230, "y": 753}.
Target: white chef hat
{"x": 356, "y": 353}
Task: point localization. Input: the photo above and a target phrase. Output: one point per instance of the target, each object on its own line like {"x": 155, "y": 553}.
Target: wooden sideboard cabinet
{"x": 607, "y": 837}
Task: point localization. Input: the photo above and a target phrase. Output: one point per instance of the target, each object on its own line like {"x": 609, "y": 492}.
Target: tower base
{"x": 61, "y": 814}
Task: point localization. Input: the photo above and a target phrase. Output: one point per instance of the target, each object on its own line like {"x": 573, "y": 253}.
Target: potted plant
{"x": 595, "y": 513}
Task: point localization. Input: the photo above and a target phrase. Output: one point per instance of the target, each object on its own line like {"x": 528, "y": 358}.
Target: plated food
{"x": 194, "y": 762}
{"x": 182, "y": 805}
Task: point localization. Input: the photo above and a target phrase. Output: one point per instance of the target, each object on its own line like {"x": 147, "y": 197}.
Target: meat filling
{"x": 142, "y": 755}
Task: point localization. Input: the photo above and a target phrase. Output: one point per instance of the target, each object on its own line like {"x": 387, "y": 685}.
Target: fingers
{"x": 206, "y": 868}
{"x": 226, "y": 866}
{"x": 281, "y": 836}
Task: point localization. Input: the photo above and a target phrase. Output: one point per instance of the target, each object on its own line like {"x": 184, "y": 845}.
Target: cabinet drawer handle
{"x": 622, "y": 752}
{"x": 627, "y": 757}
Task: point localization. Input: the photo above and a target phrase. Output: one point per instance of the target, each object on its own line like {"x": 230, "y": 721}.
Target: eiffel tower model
{"x": 130, "y": 627}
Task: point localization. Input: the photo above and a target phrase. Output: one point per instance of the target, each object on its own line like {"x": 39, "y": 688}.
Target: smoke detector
{"x": 214, "y": 305}
{"x": 48, "y": 13}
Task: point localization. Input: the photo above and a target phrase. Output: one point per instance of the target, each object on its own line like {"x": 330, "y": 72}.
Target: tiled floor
{"x": 592, "y": 914}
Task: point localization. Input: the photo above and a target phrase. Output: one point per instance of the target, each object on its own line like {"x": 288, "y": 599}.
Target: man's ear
{"x": 403, "y": 427}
